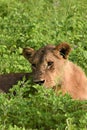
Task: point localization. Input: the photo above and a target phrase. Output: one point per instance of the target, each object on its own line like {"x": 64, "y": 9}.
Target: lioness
{"x": 51, "y": 68}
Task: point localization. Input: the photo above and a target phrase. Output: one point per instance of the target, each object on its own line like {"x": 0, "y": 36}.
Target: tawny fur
{"x": 51, "y": 68}
{"x": 74, "y": 81}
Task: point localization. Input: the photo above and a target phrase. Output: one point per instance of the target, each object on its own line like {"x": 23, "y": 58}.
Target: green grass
{"x": 36, "y": 23}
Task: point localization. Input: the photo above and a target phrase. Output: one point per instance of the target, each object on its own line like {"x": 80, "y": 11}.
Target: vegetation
{"x": 36, "y": 23}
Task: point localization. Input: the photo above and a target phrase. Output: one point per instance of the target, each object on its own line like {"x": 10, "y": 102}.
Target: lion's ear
{"x": 64, "y": 49}
{"x": 28, "y": 53}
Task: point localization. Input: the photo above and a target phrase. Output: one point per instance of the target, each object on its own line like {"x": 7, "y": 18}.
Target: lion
{"x": 52, "y": 69}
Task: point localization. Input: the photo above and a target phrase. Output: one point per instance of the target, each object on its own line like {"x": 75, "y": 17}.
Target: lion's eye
{"x": 50, "y": 64}
{"x": 34, "y": 65}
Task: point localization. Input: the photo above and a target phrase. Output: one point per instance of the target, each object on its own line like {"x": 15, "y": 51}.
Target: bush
{"x": 34, "y": 107}
{"x": 10, "y": 60}
{"x": 35, "y": 23}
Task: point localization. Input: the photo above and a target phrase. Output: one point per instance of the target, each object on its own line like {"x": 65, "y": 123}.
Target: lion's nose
{"x": 40, "y": 82}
